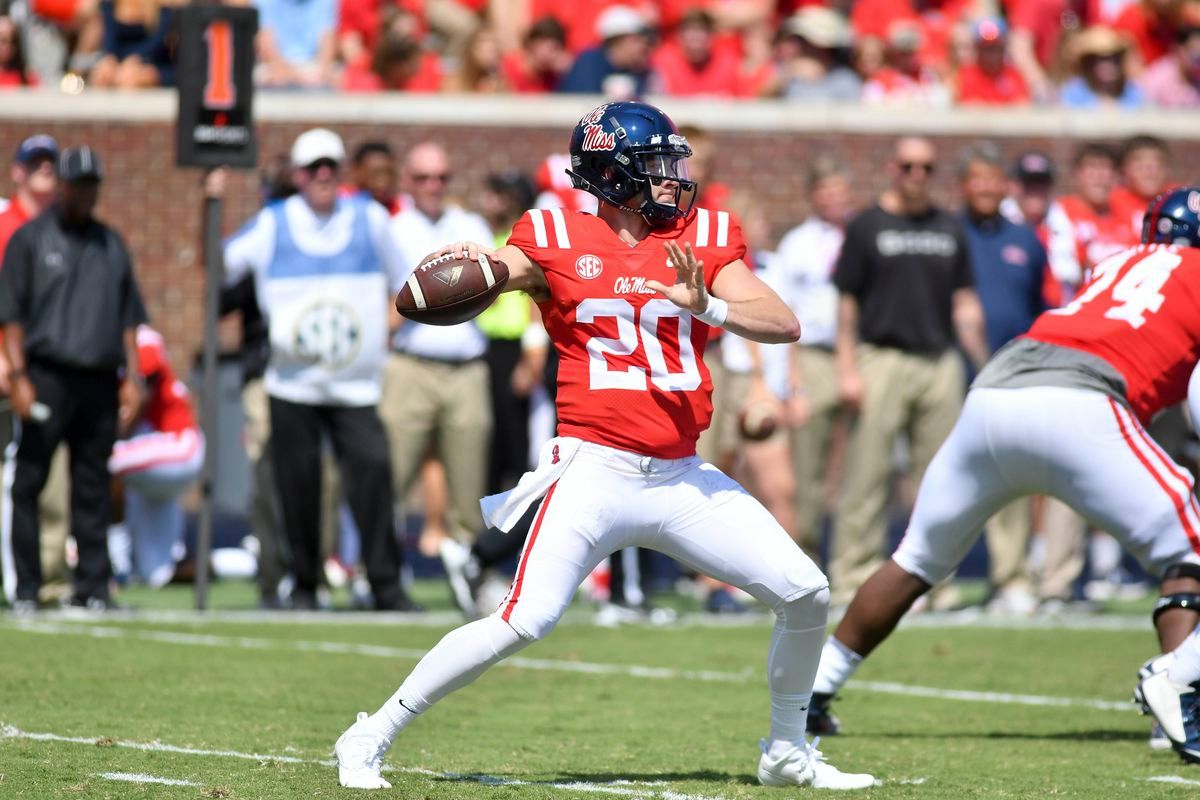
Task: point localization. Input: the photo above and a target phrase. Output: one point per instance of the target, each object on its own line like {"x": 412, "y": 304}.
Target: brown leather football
{"x": 449, "y": 290}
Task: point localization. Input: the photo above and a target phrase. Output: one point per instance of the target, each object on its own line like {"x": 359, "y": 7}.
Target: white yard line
{"x": 137, "y": 777}
{"x": 546, "y": 664}
{"x": 623, "y": 788}
{"x": 1173, "y": 779}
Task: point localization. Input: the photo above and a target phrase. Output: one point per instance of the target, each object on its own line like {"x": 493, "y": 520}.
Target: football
{"x": 449, "y": 290}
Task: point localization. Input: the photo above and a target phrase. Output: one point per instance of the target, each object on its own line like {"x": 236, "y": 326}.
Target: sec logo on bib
{"x": 589, "y": 267}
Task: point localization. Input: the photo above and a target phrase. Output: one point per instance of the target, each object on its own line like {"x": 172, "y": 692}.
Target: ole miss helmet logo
{"x": 594, "y": 138}
{"x": 589, "y": 267}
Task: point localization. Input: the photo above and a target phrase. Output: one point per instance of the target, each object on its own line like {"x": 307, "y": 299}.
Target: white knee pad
{"x": 805, "y": 612}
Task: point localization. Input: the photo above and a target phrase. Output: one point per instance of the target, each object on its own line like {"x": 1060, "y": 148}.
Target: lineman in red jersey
{"x": 625, "y": 297}
{"x": 1060, "y": 411}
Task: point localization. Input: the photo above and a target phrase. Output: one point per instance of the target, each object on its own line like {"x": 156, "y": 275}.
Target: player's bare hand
{"x": 132, "y": 395}
{"x": 215, "y": 181}
{"x": 467, "y": 250}
{"x": 851, "y": 390}
{"x": 799, "y": 410}
{"x": 23, "y": 397}
{"x": 688, "y": 291}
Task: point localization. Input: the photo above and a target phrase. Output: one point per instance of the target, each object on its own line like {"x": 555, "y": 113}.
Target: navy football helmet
{"x": 1173, "y": 218}
{"x": 620, "y": 151}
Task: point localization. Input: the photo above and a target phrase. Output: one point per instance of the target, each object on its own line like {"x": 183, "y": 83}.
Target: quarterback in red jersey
{"x": 1060, "y": 412}
{"x": 628, "y": 297}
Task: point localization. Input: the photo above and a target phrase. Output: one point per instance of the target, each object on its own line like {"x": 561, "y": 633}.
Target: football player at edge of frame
{"x": 628, "y": 298}
{"x": 1060, "y": 411}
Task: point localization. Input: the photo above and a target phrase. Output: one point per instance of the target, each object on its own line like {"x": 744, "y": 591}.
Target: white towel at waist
{"x": 505, "y": 509}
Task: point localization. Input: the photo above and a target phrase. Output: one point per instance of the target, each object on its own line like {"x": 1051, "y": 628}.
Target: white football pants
{"x": 607, "y": 499}
{"x": 1080, "y": 446}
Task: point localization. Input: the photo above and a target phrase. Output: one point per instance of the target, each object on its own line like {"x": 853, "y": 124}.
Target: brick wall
{"x": 157, "y": 206}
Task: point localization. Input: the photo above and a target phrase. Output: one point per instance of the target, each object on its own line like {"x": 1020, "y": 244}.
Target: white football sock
{"x": 792, "y": 664}
{"x": 459, "y": 658}
{"x": 838, "y": 664}
{"x": 1184, "y": 666}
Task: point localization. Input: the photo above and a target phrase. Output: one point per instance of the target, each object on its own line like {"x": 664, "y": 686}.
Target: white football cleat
{"x": 804, "y": 765}
{"x": 360, "y": 754}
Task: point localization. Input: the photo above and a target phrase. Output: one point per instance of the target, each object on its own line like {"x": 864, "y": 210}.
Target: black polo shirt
{"x": 73, "y": 291}
{"x": 903, "y": 271}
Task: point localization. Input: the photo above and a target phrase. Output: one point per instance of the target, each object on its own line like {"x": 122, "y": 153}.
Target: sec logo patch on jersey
{"x": 589, "y": 266}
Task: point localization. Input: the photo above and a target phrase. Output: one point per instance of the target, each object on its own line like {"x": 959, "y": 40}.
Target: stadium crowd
{"x": 831, "y": 434}
{"x": 1073, "y": 53}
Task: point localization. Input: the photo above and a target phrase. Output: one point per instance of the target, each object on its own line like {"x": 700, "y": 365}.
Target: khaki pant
{"x": 1064, "y": 534}
{"x": 811, "y": 445}
{"x": 446, "y": 404}
{"x": 54, "y": 522}
{"x": 903, "y": 393}
{"x": 715, "y": 441}
{"x": 1008, "y": 546}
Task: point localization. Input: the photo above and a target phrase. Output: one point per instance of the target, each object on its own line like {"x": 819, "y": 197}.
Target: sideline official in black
{"x": 70, "y": 308}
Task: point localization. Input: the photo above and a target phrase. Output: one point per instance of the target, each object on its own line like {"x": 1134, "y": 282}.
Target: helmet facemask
{"x": 656, "y": 168}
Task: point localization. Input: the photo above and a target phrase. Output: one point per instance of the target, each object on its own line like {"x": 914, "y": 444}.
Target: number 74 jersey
{"x": 631, "y": 373}
{"x": 1140, "y": 312}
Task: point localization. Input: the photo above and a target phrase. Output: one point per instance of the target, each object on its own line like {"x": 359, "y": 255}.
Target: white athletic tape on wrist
{"x": 716, "y": 313}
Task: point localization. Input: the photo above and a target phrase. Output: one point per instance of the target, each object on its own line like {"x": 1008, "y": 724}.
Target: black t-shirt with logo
{"x": 73, "y": 290}
{"x": 903, "y": 271}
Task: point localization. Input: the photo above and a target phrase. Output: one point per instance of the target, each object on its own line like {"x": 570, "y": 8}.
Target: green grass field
{"x": 250, "y": 707}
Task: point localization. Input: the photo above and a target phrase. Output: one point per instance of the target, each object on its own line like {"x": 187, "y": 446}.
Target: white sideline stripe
{"x": 579, "y": 617}
{"x": 553, "y": 665}
{"x": 137, "y": 777}
{"x": 11, "y": 732}
{"x": 1173, "y": 779}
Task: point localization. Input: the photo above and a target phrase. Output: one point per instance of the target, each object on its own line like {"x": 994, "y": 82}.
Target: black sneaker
{"x": 821, "y": 721}
{"x": 94, "y": 603}
{"x": 396, "y": 600}
{"x": 303, "y": 600}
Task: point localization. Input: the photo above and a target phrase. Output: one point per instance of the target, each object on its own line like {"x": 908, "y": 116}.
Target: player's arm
{"x": 850, "y": 382}
{"x": 523, "y": 274}
{"x": 967, "y": 314}
{"x": 743, "y": 303}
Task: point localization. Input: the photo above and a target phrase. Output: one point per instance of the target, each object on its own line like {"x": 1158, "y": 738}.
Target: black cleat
{"x": 821, "y": 721}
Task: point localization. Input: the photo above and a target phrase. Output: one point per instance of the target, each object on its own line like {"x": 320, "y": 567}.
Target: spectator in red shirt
{"x": 1174, "y": 80}
{"x": 1098, "y": 232}
{"x": 990, "y": 79}
{"x": 1150, "y": 25}
{"x": 689, "y": 65}
{"x": 478, "y": 67}
{"x": 935, "y": 19}
{"x": 35, "y": 175}
{"x": 810, "y": 58}
{"x": 1037, "y": 27}
{"x": 1144, "y": 162}
{"x": 399, "y": 64}
{"x": 542, "y": 61}
{"x": 905, "y": 79}
{"x": 13, "y": 71}
{"x": 361, "y": 23}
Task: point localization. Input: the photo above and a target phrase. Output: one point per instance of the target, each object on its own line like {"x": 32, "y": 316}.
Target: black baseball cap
{"x": 79, "y": 163}
{"x": 1034, "y": 167}
{"x": 38, "y": 146}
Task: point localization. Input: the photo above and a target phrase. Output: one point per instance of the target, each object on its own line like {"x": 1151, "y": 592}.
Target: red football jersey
{"x": 169, "y": 409}
{"x": 1138, "y": 313}
{"x": 630, "y": 375}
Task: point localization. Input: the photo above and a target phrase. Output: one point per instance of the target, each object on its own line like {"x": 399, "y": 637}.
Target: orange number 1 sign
{"x": 219, "y": 91}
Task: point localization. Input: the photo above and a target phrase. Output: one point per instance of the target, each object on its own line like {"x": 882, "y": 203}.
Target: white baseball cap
{"x": 620, "y": 21}
{"x": 312, "y": 146}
